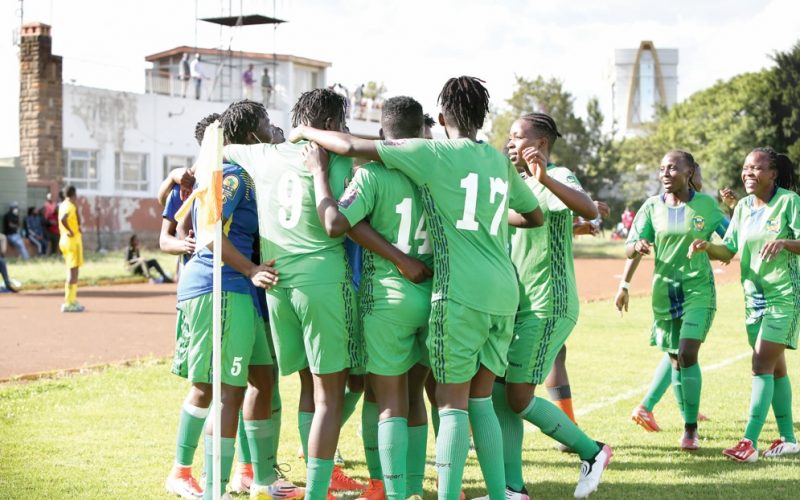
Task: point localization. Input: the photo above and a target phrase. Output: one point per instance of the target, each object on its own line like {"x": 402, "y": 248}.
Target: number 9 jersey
{"x": 287, "y": 213}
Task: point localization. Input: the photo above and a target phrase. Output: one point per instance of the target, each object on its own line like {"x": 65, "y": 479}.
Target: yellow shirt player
{"x": 71, "y": 246}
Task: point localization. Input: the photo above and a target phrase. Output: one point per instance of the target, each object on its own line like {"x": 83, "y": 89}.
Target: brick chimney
{"x": 40, "y": 107}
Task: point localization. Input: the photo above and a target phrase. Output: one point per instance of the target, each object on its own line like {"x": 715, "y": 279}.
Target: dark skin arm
{"x": 337, "y": 142}
{"x": 262, "y": 275}
{"x": 526, "y": 220}
{"x": 580, "y": 203}
{"x": 336, "y": 224}
{"x": 170, "y": 243}
{"x": 70, "y": 233}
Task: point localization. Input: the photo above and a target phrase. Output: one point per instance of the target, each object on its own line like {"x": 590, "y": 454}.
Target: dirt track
{"x": 129, "y": 321}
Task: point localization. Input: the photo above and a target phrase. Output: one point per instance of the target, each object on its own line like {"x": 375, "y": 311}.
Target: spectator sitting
{"x": 11, "y": 230}
{"x": 141, "y": 266}
{"x": 34, "y": 230}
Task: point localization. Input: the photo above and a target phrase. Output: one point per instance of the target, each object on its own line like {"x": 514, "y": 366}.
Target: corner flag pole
{"x": 207, "y": 195}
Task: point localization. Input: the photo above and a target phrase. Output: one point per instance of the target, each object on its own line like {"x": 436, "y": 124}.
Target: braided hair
{"x": 200, "y": 128}
{"x": 787, "y": 177}
{"x": 543, "y": 124}
{"x": 315, "y": 107}
{"x": 241, "y": 120}
{"x": 465, "y": 101}
{"x": 689, "y": 160}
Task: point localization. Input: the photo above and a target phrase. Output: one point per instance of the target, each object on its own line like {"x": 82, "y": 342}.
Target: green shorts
{"x": 392, "y": 349}
{"x": 693, "y": 325}
{"x": 533, "y": 350}
{"x": 244, "y": 340}
{"x": 316, "y": 327}
{"x": 774, "y": 327}
{"x": 460, "y": 339}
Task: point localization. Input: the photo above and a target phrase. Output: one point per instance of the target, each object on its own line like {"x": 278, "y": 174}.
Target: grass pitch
{"x": 110, "y": 433}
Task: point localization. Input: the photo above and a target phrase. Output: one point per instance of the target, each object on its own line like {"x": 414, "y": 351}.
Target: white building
{"x": 642, "y": 79}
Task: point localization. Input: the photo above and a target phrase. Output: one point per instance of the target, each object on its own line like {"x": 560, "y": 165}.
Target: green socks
{"x": 260, "y": 435}
{"x": 782, "y": 408}
{"x": 760, "y": 399}
{"x": 677, "y": 388}
{"x": 511, "y": 427}
{"x": 190, "y": 427}
{"x": 319, "y": 478}
{"x": 452, "y": 446}
{"x": 393, "y": 445}
{"x": 435, "y": 420}
{"x": 369, "y": 436}
{"x": 350, "y": 402}
{"x": 662, "y": 379}
{"x": 226, "y": 461}
{"x": 242, "y": 445}
{"x": 488, "y": 445}
{"x": 415, "y": 461}
{"x": 276, "y": 417}
{"x": 692, "y": 381}
{"x": 553, "y": 422}
{"x": 304, "y": 419}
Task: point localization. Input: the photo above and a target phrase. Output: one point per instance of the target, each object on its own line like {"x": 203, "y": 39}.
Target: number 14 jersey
{"x": 290, "y": 229}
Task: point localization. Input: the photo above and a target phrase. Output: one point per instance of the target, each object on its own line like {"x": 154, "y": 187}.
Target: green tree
{"x": 784, "y": 103}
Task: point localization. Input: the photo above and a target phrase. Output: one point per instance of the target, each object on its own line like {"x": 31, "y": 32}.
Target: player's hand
{"x": 603, "y": 209}
{"x": 584, "y": 227}
{"x": 264, "y": 275}
{"x": 771, "y": 249}
{"x": 621, "y": 300}
{"x": 315, "y": 159}
{"x": 188, "y": 243}
{"x": 296, "y": 135}
{"x": 187, "y": 183}
{"x": 535, "y": 163}
{"x": 697, "y": 246}
{"x": 642, "y": 247}
{"x": 70, "y": 234}
{"x": 728, "y": 198}
{"x": 414, "y": 270}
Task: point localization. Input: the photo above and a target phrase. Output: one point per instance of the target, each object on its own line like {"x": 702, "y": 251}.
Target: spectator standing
{"x": 627, "y": 219}
{"x": 4, "y": 268}
{"x": 11, "y": 230}
{"x": 50, "y": 221}
{"x": 196, "y": 72}
{"x": 184, "y": 73}
{"x": 247, "y": 82}
{"x": 266, "y": 87}
{"x": 358, "y": 104}
{"x": 34, "y": 230}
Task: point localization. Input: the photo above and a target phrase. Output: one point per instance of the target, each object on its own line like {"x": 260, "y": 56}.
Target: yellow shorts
{"x": 72, "y": 250}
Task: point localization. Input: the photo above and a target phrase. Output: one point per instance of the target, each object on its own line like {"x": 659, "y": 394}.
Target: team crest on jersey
{"x": 229, "y": 186}
{"x": 350, "y": 195}
{"x": 698, "y": 222}
{"x": 773, "y": 226}
{"x": 394, "y": 142}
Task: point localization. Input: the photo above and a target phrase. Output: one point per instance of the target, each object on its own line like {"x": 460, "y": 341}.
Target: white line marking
{"x": 612, "y": 400}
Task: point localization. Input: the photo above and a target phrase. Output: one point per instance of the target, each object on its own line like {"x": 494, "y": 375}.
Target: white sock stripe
{"x": 195, "y": 411}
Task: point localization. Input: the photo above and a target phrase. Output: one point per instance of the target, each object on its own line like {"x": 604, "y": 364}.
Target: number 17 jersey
{"x": 290, "y": 229}
{"x": 466, "y": 188}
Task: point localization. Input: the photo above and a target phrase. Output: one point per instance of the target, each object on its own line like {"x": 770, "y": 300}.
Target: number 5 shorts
{"x": 244, "y": 339}
{"x": 315, "y": 326}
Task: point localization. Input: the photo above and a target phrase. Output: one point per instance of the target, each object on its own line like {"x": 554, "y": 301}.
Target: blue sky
{"x": 413, "y": 46}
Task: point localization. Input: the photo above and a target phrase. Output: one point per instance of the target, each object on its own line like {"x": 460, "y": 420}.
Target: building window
{"x": 171, "y": 162}
{"x": 131, "y": 172}
{"x": 80, "y": 169}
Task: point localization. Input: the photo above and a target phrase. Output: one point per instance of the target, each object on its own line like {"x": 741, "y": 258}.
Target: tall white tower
{"x": 642, "y": 79}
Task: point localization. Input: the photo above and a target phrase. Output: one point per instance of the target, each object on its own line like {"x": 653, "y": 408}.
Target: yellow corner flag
{"x": 208, "y": 193}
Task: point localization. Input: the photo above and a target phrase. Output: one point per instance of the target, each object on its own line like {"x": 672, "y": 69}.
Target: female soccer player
{"x": 642, "y": 415}
{"x": 764, "y": 232}
{"x": 683, "y": 294}
{"x": 467, "y": 188}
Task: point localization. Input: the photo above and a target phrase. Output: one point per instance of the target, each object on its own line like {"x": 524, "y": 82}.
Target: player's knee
{"x": 518, "y": 397}
{"x": 687, "y": 357}
{"x": 355, "y": 383}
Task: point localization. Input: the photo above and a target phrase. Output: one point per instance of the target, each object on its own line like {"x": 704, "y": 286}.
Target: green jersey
{"x": 770, "y": 286}
{"x": 466, "y": 188}
{"x": 543, "y": 255}
{"x": 290, "y": 229}
{"x": 679, "y": 283}
{"x": 393, "y": 206}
